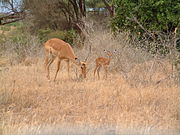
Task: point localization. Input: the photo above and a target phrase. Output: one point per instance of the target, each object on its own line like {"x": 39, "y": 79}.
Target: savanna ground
{"x": 138, "y": 97}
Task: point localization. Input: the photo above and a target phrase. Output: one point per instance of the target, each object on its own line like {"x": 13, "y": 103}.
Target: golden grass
{"x": 27, "y": 97}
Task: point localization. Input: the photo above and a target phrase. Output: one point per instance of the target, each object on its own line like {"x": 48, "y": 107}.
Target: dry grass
{"x": 129, "y": 98}
{"x": 27, "y": 97}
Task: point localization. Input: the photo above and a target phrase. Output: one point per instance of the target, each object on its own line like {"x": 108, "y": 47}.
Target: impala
{"x": 103, "y": 62}
{"x": 57, "y": 48}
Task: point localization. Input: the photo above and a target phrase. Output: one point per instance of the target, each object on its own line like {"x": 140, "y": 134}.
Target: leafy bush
{"x": 151, "y": 22}
{"x": 153, "y": 15}
{"x": 15, "y": 24}
{"x": 42, "y": 34}
{"x": 68, "y": 36}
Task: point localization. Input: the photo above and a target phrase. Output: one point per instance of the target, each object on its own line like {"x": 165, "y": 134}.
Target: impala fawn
{"x": 103, "y": 62}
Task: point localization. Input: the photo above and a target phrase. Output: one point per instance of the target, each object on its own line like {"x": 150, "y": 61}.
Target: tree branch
{"x": 12, "y": 18}
{"x": 134, "y": 19}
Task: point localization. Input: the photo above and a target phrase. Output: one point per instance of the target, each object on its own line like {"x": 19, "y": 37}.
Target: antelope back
{"x": 60, "y": 48}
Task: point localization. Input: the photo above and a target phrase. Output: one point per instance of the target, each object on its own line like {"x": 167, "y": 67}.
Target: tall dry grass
{"x": 28, "y": 98}
{"x": 135, "y": 65}
{"x": 129, "y": 98}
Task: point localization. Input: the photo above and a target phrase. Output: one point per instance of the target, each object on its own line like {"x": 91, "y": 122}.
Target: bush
{"x": 153, "y": 15}
{"x": 42, "y": 34}
{"x": 67, "y": 36}
{"x": 151, "y": 22}
{"x": 18, "y": 45}
{"x": 15, "y": 24}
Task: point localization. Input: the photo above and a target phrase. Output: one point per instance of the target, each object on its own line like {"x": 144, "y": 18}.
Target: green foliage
{"x": 42, "y": 34}
{"x": 19, "y": 38}
{"x": 178, "y": 45}
{"x": 18, "y": 35}
{"x": 68, "y": 36}
{"x": 141, "y": 17}
{"x": 153, "y": 15}
{"x": 15, "y": 24}
{"x": 7, "y": 32}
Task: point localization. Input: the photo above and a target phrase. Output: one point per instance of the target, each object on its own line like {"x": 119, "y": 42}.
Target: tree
{"x": 147, "y": 15}
{"x": 109, "y": 4}
{"x": 72, "y": 10}
{"x": 12, "y": 6}
{"x": 14, "y": 11}
{"x": 57, "y": 14}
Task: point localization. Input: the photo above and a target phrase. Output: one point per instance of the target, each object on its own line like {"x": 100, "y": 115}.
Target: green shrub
{"x": 57, "y": 34}
{"x": 153, "y": 21}
{"x": 15, "y": 24}
{"x": 67, "y": 36}
{"x": 70, "y": 36}
{"x": 153, "y": 15}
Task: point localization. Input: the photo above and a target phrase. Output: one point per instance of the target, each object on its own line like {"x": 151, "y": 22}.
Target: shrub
{"x": 42, "y": 34}
{"x": 151, "y": 23}
{"x": 153, "y": 15}
{"x": 19, "y": 45}
{"x": 67, "y": 36}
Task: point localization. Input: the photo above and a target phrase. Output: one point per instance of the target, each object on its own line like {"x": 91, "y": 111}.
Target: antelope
{"x": 57, "y": 48}
{"x": 103, "y": 62}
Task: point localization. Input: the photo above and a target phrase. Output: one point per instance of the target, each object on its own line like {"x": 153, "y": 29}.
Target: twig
{"x": 134, "y": 19}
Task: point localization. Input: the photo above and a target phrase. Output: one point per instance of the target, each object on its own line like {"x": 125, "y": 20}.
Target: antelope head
{"x": 83, "y": 65}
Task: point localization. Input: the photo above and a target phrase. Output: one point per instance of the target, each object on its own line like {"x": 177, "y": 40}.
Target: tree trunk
{"x": 82, "y": 7}
{"x": 109, "y": 8}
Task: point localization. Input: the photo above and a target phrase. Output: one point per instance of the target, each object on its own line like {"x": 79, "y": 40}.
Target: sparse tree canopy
{"x": 53, "y": 12}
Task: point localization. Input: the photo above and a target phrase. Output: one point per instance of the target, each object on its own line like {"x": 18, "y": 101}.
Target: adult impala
{"x": 57, "y": 48}
{"x": 103, "y": 62}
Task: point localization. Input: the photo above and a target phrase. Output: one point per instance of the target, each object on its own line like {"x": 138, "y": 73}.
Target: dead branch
{"x": 14, "y": 17}
{"x": 134, "y": 19}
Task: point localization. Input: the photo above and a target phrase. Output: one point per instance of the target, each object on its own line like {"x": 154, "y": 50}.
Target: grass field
{"x": 139, "y": 97}
{"x": 27, "y": 98}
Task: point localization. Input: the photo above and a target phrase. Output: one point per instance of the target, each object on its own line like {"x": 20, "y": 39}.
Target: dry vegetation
{"x": 130, "y": 97}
